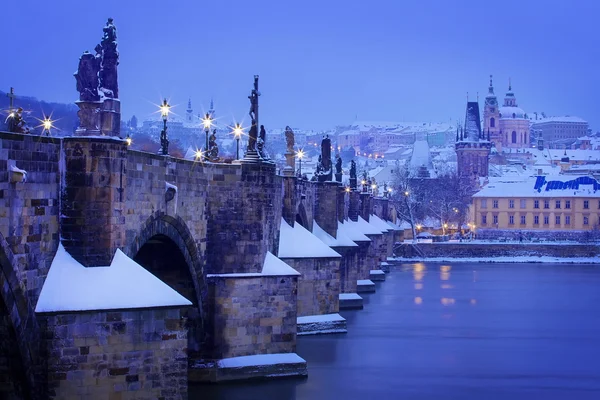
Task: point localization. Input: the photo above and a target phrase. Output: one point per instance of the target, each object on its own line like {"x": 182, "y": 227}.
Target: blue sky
{"x": 321, "y": 63}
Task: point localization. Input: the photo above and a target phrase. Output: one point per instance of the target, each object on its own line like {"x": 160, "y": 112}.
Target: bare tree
{"x": 403, "y": 198}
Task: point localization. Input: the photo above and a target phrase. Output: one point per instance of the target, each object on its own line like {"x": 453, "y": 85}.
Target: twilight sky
{"x": 321, "y": 63}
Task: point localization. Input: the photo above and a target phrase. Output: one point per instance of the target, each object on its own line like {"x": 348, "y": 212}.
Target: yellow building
{"x": 538, "y": 204}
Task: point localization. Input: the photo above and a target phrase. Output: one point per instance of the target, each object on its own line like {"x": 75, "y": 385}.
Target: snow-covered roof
{"x": 542, "y": 186}
{"x": 420, "y": 155}
{"x": 566, "y": 118}
{"x": 124, "y": 284}
{"x": 342, "y": 240}
{"x": 298, "y": 242}
{"x": 349, "y": 228}
{"x": 507, "y": 112}
{"x": 379, "y": 223}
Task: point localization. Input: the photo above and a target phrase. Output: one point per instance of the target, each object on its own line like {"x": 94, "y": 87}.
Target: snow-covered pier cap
{"x": 124, "y": 284}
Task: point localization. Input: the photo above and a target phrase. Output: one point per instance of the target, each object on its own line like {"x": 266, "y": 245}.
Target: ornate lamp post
{"x": 207, "y": 122}
{"x": 165, "y": 108}
{"x": 237, "y": 132}
{"x": 300, "y": 155}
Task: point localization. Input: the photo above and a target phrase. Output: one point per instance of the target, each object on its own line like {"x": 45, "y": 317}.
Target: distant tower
{"x": 491, "y": 117}
{"x": 472, "y": 149}
{"x": 189, "y": 113}
{"x": 514, "y": 124}
{"x": 212, "y": 108}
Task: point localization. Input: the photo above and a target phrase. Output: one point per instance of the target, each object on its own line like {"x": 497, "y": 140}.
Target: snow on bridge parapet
{"x": 297, "y": 242}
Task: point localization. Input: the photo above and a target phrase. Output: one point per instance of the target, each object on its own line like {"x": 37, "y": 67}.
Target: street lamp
{"x": 347, "y": 189}
{"x": 128, "y": 140}
{"x": 207, "y": 122}
{"x": 165, "y": 108}
{"x": 237, "y": 132}
{"x": 299, "y": 156}
{"x": 47, "y": 123}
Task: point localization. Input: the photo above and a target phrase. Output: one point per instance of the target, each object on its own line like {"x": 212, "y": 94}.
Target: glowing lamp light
{"x": 419, "y": 226}
{"x": 363, "y": 182}
{"x": 165, "y": 109}
{"x": 445, "y": 225}
{"x": 207, "y": 121}
{"x": 128, "y": 140}
{"x": 199, "y": 154}
{"x": 237, "y": 131}
{"x": 47, "y": 124}
{"x": 347, "y": 189}
{"x": 373, "y": 186}
{"x": 406, "y": 193}
{"x": 11, "y": 115}
{"x": 390, "y": 190}
{"x": 300, "y": 154}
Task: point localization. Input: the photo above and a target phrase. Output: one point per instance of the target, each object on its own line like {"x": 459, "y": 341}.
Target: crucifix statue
{"x": 253, "y": 133}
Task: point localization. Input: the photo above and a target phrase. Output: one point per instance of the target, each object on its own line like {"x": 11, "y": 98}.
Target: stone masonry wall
{"x": 342, "y": 212}
{"x": 244, "y": 214}
{"x": 326, "y": 206}
{"x": 364, "y": 260}
{"x": 92, "y": 219}
{"x": 348, "y": 268}
{"x": 354, "y": 206}
{"x": 118, "y": 354}
{"x": 253, "y": 315}
{"x": 305, "y": 202}
{"x": 290, "y": 199}
{"x": 318, "y": 285}
{"x": 29, "y": 235}
{"x": 365, "y": 205}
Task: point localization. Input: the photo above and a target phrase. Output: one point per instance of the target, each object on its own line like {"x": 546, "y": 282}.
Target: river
{"x": 454, "y": 331}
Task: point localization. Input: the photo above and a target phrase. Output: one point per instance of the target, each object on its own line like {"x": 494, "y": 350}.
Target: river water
{"x": 454, "y": 331}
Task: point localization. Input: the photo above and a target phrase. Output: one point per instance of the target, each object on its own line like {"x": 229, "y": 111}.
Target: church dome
{"x": 512, "y": 113}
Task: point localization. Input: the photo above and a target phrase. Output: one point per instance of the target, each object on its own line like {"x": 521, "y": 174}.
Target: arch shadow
{"x": 19, "y": 327}
{"x": 301, "y": 217}
{"x": 164, "y": 233}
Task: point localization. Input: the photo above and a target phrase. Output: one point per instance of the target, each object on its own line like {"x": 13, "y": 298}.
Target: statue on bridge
{"x": 324, "y": 169}
{"x": 253, "y": 133}
{"x": 289, "y": 139}
{"x": 213, "y": 148}
{"x": 110, "y": 59}
{"x": 353, "y": 180}
{"x": 338, "y": 168}
{"x": 87, "y": 77}
{"x": 260, "y": 143}
{"x": 16, "y": 122}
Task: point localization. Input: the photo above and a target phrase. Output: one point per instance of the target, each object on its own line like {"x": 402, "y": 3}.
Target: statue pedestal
{"x": 111, "y": 117}
{"x": 290, "y": 167}
{"x": 251, "y": 156}
{"x": 89, "y": 118}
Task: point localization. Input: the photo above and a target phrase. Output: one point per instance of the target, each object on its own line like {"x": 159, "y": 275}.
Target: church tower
{"x": 472, "y": 149}
{"x": 189, "y": 113}
{"x": 491, "y": 117}
{"x": 212, "y": 108}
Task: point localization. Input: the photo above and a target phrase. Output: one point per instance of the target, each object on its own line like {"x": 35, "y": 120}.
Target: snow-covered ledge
{"x": 365, "y": 286}
{"x": 124, "y": 284}
{"x": 319, "y": 324}
{"x": 17, "y": 175}
{"x": 272, "y": 266}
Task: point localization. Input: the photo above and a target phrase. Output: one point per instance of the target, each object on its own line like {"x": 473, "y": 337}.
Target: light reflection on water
{"x": 497, "y": 331}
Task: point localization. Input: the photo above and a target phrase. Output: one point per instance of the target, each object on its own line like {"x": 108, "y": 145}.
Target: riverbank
{"x": 533, "y": 259}
{"x": 480, "y": 251}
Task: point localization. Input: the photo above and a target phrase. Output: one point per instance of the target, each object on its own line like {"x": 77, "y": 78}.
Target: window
{"x": 567, "y": 203}
{"x": 557, "y": 203}
{"x": 536, "y": 219}
{"x": 483, "y": 203}
{"x": 523, "y": 220}
{"x": 492, "y": 120}
{"x": 495, "y": 204}
{"x": 586, "y": 204}
{"x": 536, "y": 204}
{"x": 511, "y": 219}
{"x": 483, "y": 219}
{"x": 495, "y": 219}
{"x": 546, "y": 220}
{"x": 514, "y": 137}
{"x": 586, "y": 220}
{"x": 557, "y": 220}
{"x": 511, "y": 204}
{"x": 567, "y": 220}
{"x": 546, "y": 203}
{"x": 523, "y": 203}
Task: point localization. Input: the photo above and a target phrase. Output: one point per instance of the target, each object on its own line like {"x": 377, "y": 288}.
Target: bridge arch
{"x": 19, "y": 336}
{"x": 165, "y": 247}
{"x": 301, "y": 217}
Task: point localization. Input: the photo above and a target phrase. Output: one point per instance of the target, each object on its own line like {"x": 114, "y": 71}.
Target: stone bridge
{"x": 209, "y": 231}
